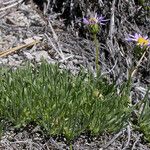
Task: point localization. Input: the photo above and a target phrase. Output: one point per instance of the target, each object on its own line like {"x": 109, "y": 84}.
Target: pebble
{"x": 39, "y": 55}
{"x": 3, "y": 61}
{"x": 28, "y": 55}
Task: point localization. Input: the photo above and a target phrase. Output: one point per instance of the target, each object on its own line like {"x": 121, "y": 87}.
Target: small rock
{"x": 41, "y": 55}
{"x": 28, "y": 55}
{"x": 13, "y": 62}
{"x": 16, "y": 57}
{"x": 3, "y": 60}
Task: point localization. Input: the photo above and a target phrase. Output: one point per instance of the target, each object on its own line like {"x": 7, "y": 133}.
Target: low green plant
{"x": 144, "y": 116}
{"x": 60, "y": 102}
{"x": 144, "y": 4}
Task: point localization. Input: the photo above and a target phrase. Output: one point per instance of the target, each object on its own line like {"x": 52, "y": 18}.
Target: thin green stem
{"x": 71, "y": 148}
{"x": 139, "y": 62}
{"x": 97, "y": 55}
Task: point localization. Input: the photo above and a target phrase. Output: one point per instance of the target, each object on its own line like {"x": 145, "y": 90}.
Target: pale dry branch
{"x": 12, "y": 50}
{"x": 113, "y": 139}
{"x": 129, "y": 137}
{"x": 11, "y": 5}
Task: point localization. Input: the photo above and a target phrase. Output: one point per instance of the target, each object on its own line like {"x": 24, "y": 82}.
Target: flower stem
{"x": 139, "y": 62}
{"x": 96, "y": 55}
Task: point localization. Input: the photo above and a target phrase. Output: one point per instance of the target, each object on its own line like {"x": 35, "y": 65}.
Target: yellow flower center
{"x": 93, "y": 20}
{"x": 142, "y": 41}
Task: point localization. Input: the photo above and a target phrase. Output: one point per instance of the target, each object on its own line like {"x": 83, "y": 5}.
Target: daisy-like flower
{"x": 94, "y": 20}
{"x": 140, "y": 40}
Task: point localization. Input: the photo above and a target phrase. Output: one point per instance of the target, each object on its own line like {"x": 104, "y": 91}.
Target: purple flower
{"x": 95, "y": 20}
{"x": 140, "y": 40}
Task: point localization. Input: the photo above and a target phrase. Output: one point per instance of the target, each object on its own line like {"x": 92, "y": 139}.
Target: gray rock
{"x": 17, "y": 57}
{"x": 28, "y": 55}
{"x": 13, "y": 62}
{"x": 3, "y": 61}
{"x": 39, "y": 55}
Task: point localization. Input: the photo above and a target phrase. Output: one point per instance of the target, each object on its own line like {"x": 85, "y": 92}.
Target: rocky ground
{"x": 31, "y": 138}
{"x": 29, "y": 35}
{"x": 23, "y": 25}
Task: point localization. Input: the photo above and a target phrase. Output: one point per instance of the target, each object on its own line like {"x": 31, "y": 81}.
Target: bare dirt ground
{"x": 29, "y": 34}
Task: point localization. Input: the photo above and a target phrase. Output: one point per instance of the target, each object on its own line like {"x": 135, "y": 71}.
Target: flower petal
{"x": 146, "y": 37}
{"x": 139, "y": 39}
{"x": 136, "y": 36}
{"x": 85, "y": 21}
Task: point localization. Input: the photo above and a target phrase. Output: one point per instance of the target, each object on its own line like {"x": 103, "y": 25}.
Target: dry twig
{"x": 11, "y": 50}
{"x": 12, "y": 5}
{"x": 139, "y": 62}
{"x": 129, "y": 137}
{"x": 112, "y": 140}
